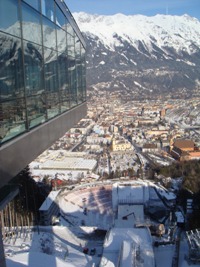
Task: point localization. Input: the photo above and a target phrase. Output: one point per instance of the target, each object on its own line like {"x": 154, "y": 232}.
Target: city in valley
{"x": 118, "y": 182}
{"x": 99, "y": 134}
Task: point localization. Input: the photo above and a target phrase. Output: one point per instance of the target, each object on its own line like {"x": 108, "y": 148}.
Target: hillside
{"x": 142, "y": 55}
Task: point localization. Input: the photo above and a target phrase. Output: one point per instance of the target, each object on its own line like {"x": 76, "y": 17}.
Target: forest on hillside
{"x": 188, "y": 170}
{"x": 190, "y": 188}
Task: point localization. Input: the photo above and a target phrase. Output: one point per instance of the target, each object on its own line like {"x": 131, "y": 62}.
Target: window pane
{"x": 9, "y": 17}
{"x": 79, "y": 81}
{"x": 72, "y": 82}
{"x": 83, "y": 72}
{"x": 31, "y": 25}
{"x": 48, "y": 9}
{"x": 33, "y": 63}
{"x": 36, "y": 109}
{"x": 34, "y": 3}
{"x": 60, "y": 18}
{"x": 12, "y": 119}
{"x": 63, "y": 82}
{"x": 61, "y": 40}
{"x": 51, "y": 82}
{"x": 70, "y": 30}
{"x": 70, "y": 45}
{"x": 11, "y": 70}
{"x": 49, "y": 33}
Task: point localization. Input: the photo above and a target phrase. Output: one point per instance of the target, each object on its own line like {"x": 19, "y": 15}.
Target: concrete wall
{"x": 18, "y": 153}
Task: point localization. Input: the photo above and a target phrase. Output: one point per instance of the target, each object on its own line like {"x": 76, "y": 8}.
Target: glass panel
{"x": 77, "y": 47}
{"x": 33, "y": 63}
{"x": 36, "y": 110}
{"x": 70, "y": 30}
{"x": 9, "y": 17}
{"x": 34, "y": 3}
{"x": 72, "y": 82}
{"x": 12, "y": 119}
{"x": 70, "y": 45}
{"x": 49, "y": 33}
{"x": 60, "y": 18}
{"x": 31, "y": 25}
{"x": 79, "y": 81}
{"x": 63, "y": 82}
{"x": 53, "y": 107}
{"x": 83, "y": 72}
{"x": 67, "y": 25}
{"x": 61, "y": 40}
{"x": 11, "y": 70}
{"x": 48, "y": 9}
{"x": 51, "y": 82}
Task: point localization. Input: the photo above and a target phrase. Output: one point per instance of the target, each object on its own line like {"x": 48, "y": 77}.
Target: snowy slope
{"x": 142, "y": 55}
{"x": 163, "y": 30}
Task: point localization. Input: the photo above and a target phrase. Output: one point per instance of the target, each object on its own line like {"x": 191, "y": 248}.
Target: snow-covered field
{"x": 57, "y": 247}
{"x": 63, "y": 245}
{"x": 53, "y": 247}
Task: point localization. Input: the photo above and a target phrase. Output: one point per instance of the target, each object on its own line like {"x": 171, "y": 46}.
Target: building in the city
{"x": 120, "y": 144}
{"x": 185, "y": 150}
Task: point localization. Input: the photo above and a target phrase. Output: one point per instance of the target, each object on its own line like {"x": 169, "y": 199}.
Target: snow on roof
{"x": 132, "y": 192}
{"x": 126, "y": 255}
{"x": 141, "y": 246}
{"x": 49, "y": 200}
{"x": 164, "y": 193}
{"x": 70, "y": 164}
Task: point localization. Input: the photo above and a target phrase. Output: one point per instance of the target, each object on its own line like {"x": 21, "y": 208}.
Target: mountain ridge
{"x": 161, "y": 52}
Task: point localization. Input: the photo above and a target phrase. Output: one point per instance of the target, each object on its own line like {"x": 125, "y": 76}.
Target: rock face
{"x": 140, "y": 55}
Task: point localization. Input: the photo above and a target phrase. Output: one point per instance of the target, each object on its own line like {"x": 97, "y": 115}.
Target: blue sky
{"x": 132, "y": 7}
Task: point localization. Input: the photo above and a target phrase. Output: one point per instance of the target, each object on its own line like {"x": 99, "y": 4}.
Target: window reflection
{"x": 48, "y": 9}
{"x": 63, "y": 82}
{"x": 33, "y": 68}
{"x": 70, "y": 45}
{"x": 49, "y": 33}
{"x": 36, "y": 109}
{"x": 34, "y": 3}
{"x": 60, "y": 18}
{"x": 12, "y": 119}
{"x": 31, "y": 24}
{"x": 51, "y": 82}
{"x": 11, "y": 71}
{"x": 42, "y": 65}
{"x": 72, "y": 81}
{"x": 61, "y": 40}
{"x": 9, "y": 24}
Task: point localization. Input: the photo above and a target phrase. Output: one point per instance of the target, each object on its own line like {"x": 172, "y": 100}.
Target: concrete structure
{"x": 42, "y": 80}
{"x": 49, "y": 209}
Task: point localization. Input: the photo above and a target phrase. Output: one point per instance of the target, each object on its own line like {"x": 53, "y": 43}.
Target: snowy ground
{"x": 63, "y": 245}
{"x": 53, "y": 246}
{"x": 58, "y": 247}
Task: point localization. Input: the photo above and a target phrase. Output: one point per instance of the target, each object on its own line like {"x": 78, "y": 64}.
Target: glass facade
{"x": 42, "y": 64}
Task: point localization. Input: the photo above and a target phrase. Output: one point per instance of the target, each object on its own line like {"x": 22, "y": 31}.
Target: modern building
{"x": 42, "y": 81}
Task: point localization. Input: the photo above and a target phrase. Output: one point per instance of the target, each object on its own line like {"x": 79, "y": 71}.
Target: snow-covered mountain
{"x": 142, "y": 54}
